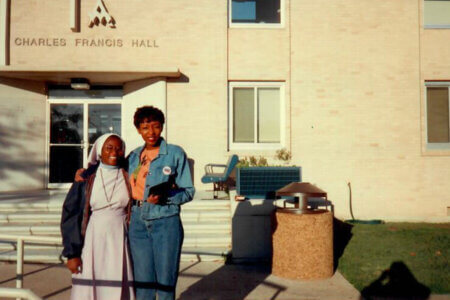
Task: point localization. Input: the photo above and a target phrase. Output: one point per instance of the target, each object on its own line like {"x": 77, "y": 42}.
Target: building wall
{"x": 357, "y": 89}
{"x": 354, "y": 94}
{"x": 354, "y": 76}
{"x": 435, "y": 65}
{"x": 22, "y": 135}
{"x": 152, "y": 92}
{"x": 193, "y": 39}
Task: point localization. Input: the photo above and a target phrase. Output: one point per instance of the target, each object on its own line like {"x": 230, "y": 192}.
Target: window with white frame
{"x": 256, "y": 13}
{"x": 256, "y": 114}
{"x": 436, "y": 13}
{"x": 437, "y": 115}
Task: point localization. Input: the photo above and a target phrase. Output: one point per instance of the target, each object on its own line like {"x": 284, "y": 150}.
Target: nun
{"x": 94, "y": 226}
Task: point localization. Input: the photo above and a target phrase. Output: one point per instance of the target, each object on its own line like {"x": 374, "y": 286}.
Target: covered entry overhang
{"x": 25, "y": 114}
{"x": 98, "y": 77}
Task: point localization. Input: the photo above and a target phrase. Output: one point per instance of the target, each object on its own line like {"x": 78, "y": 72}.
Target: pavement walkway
{"x": 202, "y": 281}
{"x": 198, "y": 280}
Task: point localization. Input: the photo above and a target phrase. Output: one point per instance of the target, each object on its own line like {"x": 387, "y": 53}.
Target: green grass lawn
{"x": 422, "y": 247}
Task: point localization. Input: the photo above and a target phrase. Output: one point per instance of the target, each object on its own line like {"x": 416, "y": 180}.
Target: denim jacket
{"x": 172, "y": 165}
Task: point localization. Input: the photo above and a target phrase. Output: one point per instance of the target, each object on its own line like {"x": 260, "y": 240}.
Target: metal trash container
{"x": 301, "y": 191}
{"x": 303, "y": 239}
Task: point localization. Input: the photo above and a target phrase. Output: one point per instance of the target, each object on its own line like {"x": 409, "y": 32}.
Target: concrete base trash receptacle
{"x": 303, "y": 244}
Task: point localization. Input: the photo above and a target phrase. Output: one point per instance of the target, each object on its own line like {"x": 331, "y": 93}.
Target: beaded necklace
{"x": 109, "y": 199}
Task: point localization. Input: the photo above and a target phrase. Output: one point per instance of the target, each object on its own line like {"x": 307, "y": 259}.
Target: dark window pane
{"x": 64, "y": 161}
{"x": 437, "y": 115}
{"x": 66, "y": 124}
{"x": 103, "y": 118}
{"x": 255, "y": 11}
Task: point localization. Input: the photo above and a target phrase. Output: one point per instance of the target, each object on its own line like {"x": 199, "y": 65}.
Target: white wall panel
{"x": 22, "y": 135}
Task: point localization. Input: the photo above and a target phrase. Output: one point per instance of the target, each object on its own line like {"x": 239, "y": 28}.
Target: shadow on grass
{"x": 342, "y": 234}
{"x": 396, "y": 283}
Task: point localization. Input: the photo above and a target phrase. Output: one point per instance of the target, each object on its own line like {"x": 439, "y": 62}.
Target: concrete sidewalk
{"x": 198, "y": 280}
{"x": 201, "y": 280}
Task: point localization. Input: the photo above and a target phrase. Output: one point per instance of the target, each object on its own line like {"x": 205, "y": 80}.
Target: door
{"x": 76, "y": 120}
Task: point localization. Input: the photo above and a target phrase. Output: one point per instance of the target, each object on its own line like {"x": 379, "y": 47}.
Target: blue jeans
{"x": 155, "y": 251}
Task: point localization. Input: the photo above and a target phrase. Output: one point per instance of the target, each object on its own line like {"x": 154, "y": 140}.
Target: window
{"x": 256, "y": 115}
{"x": 437, "y": 13}
{"x": 437, "y": 115}
{"x": 76, "y": 118}
{"x": 256, "y": 13}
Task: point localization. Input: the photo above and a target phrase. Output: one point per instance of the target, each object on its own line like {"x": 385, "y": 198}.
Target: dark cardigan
{"x": 76, "y": 212}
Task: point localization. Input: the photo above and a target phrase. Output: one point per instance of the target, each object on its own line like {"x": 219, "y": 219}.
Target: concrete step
{"x": 55, "y": 205}
{"x": 31, "y": 217}
{"x": 54, "y": 255}
{"x": 11, "y": 246}
{"x": 199, "y": 215}
{"x": 53, "y": 217}
{"x": 207, "y": 204}
{"x": 54, "y": 229}
{"x": 30, "y": 229}
{"x": 191, "y": 239}
{"x": 215, "y": 240}
{"x": 43, "y": 207}
{"x": 32, "y": 196}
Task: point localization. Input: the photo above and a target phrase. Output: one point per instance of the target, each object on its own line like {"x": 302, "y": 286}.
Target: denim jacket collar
{"x": 162, "y": 147}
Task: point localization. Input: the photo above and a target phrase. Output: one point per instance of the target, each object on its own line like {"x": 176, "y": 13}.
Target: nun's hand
{"x": 153, "y": 199}
{"x": 78, "y": 177}
{"x": 74, "y": 265}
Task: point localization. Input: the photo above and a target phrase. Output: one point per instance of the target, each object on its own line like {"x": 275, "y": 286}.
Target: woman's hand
{"x": 78, "y": 173}
{"x": 153, "y": 199}
{"x": 74, "y": 265}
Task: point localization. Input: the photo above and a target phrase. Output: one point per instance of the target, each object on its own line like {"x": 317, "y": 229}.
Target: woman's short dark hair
{"x": 148, "y": 113}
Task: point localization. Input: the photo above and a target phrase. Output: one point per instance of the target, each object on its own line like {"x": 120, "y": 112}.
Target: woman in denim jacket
{"x": 160, "y": 181}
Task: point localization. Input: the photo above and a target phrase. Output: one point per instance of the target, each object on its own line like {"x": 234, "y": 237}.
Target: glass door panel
{"x": 77, "y": 119}
{"x": 103, "y": 118}
{"x": 66, "y": 141}
{"x": 64, "y": 161}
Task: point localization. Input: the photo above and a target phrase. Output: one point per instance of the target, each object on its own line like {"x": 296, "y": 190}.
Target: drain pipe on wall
{"x": 356, "y": 221}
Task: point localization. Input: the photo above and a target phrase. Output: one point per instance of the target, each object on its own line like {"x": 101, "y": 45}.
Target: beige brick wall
{"x": 435, "y": 54}
{"x": 357, "y": 113}
{"x": 353, "y": 73}
{"x": 190, "y": 37}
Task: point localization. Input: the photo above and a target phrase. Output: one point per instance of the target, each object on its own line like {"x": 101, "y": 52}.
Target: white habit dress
{"x": 107, "y": 270}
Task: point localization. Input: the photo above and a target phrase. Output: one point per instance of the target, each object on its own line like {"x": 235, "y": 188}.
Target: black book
{"x": 162, "y": 189}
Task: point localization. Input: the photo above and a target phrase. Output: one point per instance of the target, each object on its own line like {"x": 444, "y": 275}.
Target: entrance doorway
{"x": 76, "y": 119}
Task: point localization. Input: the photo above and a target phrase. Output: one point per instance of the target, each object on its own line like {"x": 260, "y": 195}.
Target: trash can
{"x": 302, "y": 240}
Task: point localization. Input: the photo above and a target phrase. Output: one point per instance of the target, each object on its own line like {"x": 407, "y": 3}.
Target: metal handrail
{"x": 20, "y": 239}
{"x": 18, "y": 293}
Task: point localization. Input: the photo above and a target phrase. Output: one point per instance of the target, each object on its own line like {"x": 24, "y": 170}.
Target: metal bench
{"x": 217, "y": 178}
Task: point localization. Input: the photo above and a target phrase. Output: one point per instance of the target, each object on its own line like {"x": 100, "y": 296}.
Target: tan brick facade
{"x": 354, "y": 74}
